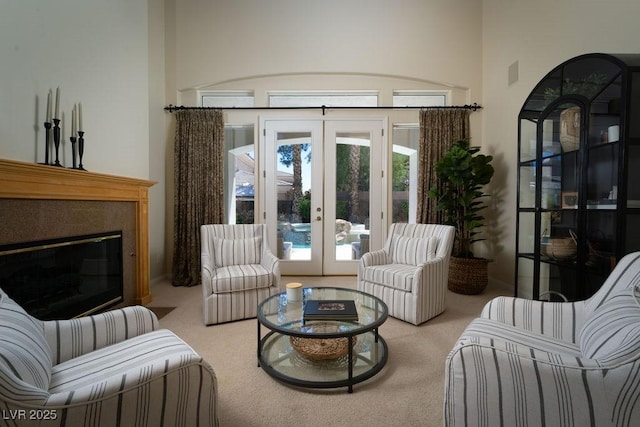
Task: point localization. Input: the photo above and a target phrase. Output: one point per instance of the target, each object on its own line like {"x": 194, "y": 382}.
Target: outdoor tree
{"x": 291, "y": 155}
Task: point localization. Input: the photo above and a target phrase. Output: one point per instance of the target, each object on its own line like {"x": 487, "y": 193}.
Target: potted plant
{"x": 462, "y": 174}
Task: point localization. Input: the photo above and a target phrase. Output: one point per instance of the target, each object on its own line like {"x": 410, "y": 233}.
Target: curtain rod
{"x": 474, "y": 107}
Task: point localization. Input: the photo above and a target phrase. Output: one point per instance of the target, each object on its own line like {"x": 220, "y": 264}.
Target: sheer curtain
{"x": 199, "y": 196}
{"x": 439, "y": 129}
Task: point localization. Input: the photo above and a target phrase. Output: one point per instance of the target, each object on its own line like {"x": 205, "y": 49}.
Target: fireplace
{"x": 64, "y": 278}
{"x": 40, "y": 202}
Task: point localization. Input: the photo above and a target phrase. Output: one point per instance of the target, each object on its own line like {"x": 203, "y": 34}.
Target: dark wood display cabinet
{"x": 578, "y": 176}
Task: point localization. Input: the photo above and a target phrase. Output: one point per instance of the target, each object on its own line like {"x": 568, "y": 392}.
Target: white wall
{"x": 323, "y": 45}
{"x": 539, "y": 35}
{"x": 96, "y": 52}
{"x": 437, "y": 40}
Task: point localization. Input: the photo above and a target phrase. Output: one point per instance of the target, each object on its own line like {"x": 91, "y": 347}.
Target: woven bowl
{"x": 559, "y": 248}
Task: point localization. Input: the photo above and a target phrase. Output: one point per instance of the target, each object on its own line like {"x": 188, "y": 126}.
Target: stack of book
{"x": 344, "y": 310}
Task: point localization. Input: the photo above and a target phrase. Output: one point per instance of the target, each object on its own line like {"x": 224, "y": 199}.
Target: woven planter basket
{"x": 468, "y": 276}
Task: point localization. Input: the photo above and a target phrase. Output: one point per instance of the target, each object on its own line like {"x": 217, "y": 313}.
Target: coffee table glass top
{"x": 279, "y": 314}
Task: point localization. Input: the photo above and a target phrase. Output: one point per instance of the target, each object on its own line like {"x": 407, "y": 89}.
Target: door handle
{"x": 318, "y": 218}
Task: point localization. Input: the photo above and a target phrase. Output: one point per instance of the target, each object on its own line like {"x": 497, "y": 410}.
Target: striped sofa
{"x": 533, "y": 363}
{"x": 238, "y": 271}
{"x": 110, "y": 369}
{"x": 410, "y": 272}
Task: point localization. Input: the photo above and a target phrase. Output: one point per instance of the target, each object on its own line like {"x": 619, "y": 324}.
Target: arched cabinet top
{"x": 597, "y": 77}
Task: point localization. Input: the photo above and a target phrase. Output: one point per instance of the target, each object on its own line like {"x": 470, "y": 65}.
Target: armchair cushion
{"x": 413, "y": 250}
{"x": 239, "y": 278}
{"x": 237, "y": 251}
{"x": 397, "y": 276}
{"x": 118, "y": 366}
{"x": 611, "y": 334}
{"x": 23, "y": 349}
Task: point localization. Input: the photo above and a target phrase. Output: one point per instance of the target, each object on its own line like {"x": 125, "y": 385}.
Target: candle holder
{"x": 73, "y": 151}
{"x": 80, "y": 149}
{"x": 56, "y": 139}
{"x": 47, "y": 135}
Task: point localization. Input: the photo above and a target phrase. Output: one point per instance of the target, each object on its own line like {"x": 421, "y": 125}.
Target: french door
{"x": 324, "y": 192}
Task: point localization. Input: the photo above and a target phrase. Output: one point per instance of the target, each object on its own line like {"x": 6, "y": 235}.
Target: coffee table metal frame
{"x": 289, "y": 322}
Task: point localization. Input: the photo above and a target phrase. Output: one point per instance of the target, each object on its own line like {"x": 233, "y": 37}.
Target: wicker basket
{"x": 468, "y": 276}
{"x": 322, "y": 348}
{"x": 559, "y": 248}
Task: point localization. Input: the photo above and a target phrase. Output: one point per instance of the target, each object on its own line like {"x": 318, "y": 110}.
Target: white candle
{"x": 57, "y": 103}
{"x": 48, "y": 116}
{"x": 80, "y": 116}
{"x": 73, "y": 121}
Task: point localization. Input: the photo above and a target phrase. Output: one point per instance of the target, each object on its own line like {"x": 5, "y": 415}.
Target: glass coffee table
{"x": 321, "y": 353}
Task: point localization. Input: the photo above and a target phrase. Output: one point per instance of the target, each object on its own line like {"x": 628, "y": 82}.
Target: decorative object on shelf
{"x": 76, "y": 128}
{"x": 56, "y": 141}
{"x": 570, "y": 128}
{"x": 72, "y": 138}
{"x": 462, "y": 174}
{"x": 613, "y": 133}
{"x": 47, "y": 143}
{"x": 47, "y": 129}
{"x": 56, "y": 128}
{"x": 569, "y": 199}
{"x": 559, "y": 248}
{"x": 80, "y": 149}
{"x": 55, "y": 124}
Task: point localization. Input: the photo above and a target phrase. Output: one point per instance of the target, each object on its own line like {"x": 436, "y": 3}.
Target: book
{"x": 330, "y": 310}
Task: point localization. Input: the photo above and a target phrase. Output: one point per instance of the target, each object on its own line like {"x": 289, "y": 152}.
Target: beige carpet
{"x": 407, "y": 392}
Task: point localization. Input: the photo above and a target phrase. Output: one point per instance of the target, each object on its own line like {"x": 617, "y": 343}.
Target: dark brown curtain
{"x": 199, "y": 196}
{"x": 439, "y": 129}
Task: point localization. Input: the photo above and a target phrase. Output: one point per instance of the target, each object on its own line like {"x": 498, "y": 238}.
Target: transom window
{"x": 222, "y": 99}
{"x": 328, "y": 99}
{"x": 402, "y": 98}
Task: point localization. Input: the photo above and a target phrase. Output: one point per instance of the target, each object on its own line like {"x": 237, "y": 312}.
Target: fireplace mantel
{"x": 21, "y": 180}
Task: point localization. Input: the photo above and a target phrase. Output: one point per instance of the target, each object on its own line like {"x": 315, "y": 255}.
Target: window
{"x": 403, "y": 98}
{"x": 328, "y": 99}
{"x": 404, "y": 167}
{"x": 240, "y": 171}
{"x": 222, "y": 99}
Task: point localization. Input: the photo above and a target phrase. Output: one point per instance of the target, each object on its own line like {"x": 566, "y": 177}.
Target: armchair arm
{"x": 160, "y": 368}
{"x": 368, "y": 259}
{"x": 74, "y": 337}
{"x": 272, "y": 264}
{"x": 434, "y": 273}
{"x": 560, "y": 320}
{"x": 493, "y": 382}
{"x": 377, "y": 257}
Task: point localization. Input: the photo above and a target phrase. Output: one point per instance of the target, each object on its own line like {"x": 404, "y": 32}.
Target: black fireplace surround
{"x": 64, "y": 278}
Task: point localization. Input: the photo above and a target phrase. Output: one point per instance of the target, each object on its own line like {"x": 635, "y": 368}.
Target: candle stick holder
{"x": 47, "y": 135}
{"x": 73, "y": 151}
{"x": 56, "y": 140}
{"x": 80, "y": 148}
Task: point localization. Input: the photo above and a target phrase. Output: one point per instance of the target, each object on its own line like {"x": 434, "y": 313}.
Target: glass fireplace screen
{"x": 64, "y": 278}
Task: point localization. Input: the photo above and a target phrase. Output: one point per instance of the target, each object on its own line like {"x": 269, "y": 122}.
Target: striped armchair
{"x": 238, "y": 271}
{"x": 110, "y": 369}
{"x": 527, "y": 362}
{"x": 410, "y": 273}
